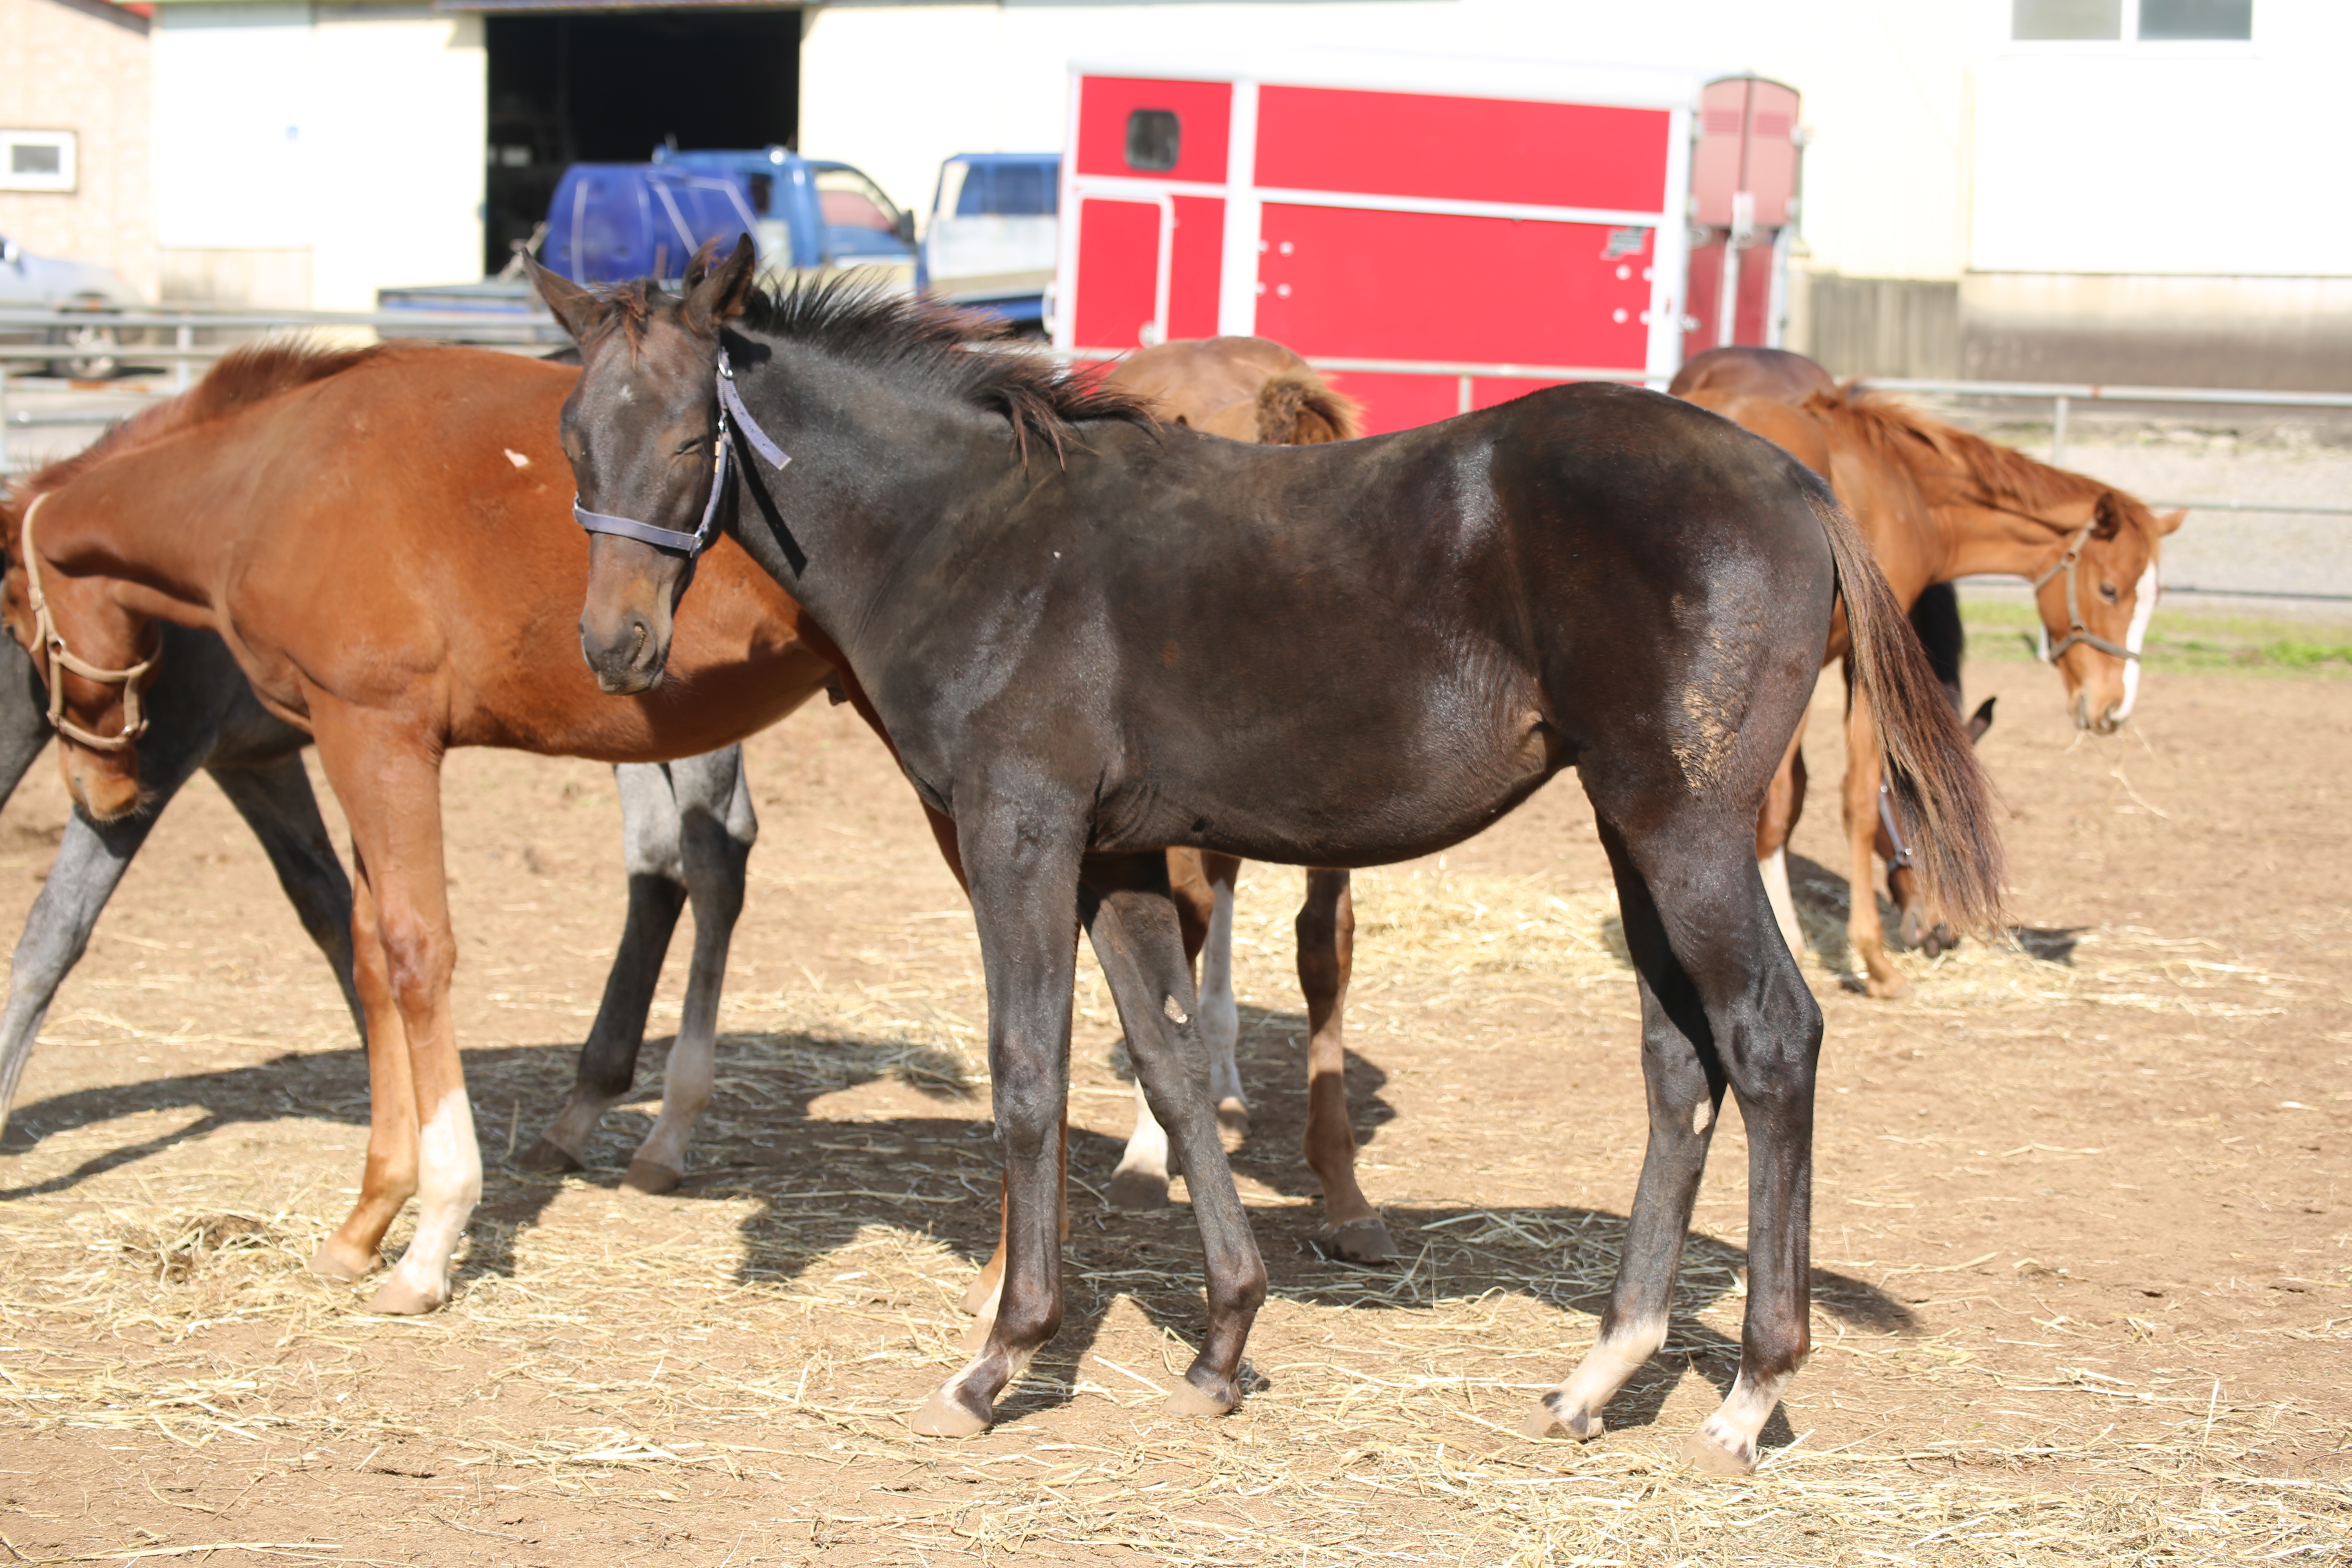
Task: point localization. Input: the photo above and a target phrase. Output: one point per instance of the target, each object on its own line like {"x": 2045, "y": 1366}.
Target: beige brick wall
{"x": 82, "y": 66}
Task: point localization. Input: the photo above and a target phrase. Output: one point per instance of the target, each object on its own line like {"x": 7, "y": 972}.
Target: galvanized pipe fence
{"x": 524, "y": 332}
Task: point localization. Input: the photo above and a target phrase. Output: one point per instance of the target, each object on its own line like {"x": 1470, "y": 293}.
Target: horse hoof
{"x": 338, "y": 1259}
{"x": 1581, "y": 1426}
{"x": 1360, "y": 1241}
{"x": 550, "y": 1159}
{"x": 1138, "y": 1190}
{"x": 946, "y": 1414}
{"x": 1940, "y": 941}
{"x": 1703, "y": 1452}
{"x": 1232, "y": 1123}
{"x": 1191, "y": 1399}
{"x": 396, "y": 1297}
{"x": 1889, "y": 989}
{"x": 651, "y": 1179}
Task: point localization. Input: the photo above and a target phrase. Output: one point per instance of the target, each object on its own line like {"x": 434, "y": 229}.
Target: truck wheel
{"x": 96, "y": 345}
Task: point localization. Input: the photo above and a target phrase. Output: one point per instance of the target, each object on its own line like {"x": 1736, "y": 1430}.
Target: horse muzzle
{"x": 629, "y": 658}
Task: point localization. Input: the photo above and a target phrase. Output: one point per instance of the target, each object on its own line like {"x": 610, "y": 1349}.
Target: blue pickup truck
{"x": 610, "y": 222}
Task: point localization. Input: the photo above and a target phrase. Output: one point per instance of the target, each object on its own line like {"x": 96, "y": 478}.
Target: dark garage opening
{"x": 609, "y": 88}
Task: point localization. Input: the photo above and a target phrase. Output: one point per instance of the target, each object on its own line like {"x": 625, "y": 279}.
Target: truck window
{"x": 976, "y": 198}
{"x": 849, "y": 200}
{"x": 763, "y": 194}
{"x": 1023, "y": 191}
{"x": 1152, "y": 139}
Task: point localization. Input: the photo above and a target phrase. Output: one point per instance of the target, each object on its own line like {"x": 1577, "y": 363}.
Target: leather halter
{"x": 62, "y": 660}
{"x": 691, "y": 545}
{"x": 2076, "y": 632}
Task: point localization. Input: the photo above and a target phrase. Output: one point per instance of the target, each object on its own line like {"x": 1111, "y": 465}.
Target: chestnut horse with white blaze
{"x": 1935, "y": 503}
{"x": 1093, "y": 638}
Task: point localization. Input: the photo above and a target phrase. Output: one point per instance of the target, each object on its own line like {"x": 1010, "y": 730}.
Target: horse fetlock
{"x": 1556, "y": 1416}
{"x": 339, "y": 1258}
{"x": 1138, "y": 1187}
{"x": 1232, "y": 1121}
{"x": 1204, "y": 1394}
{"x": 651, "y": 1178}
{"x": 1363, "y": 1240}
{"x": 1719, "y": 1448}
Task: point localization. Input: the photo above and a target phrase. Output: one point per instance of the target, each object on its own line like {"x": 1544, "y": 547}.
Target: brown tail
{"x": 1930, "y": 764}
{"x": 1296, "y": 409}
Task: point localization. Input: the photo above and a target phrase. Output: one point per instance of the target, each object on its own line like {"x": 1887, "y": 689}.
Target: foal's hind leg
{"x": 657, "y": 893}
{"x": 716, "y": 830}
{"x": 1722, "y": 1006}
{"x": 1327, "y": 956}
{"x": 1784, "y": 803}
{"x": 1146, "y": 1167}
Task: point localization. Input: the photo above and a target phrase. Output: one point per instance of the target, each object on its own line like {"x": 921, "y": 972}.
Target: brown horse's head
{"x": 640, "y": 432}
{"x": 2089, "y": 549}
{"x": 95, "y": 658}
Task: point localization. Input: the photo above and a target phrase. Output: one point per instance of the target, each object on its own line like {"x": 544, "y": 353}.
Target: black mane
{"x": 951, "y": 352}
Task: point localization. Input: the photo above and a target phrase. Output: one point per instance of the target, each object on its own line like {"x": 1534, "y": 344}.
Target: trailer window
{"x": 1153, "y": 138}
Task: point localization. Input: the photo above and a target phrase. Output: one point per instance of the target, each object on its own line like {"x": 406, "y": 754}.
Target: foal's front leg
{"x": 1022, "y": 873}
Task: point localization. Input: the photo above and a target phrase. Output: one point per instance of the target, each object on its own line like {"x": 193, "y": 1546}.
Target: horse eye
{"x": 2107, "y": 592}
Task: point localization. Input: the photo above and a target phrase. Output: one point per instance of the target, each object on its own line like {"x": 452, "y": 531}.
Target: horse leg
{"x": 1220, "y": 1012}
{"x": 1723, "y": 1005}
{"x": 1131, "y": 920}
{"x": 278, "y": 803}
{"x": 650, "y": 848}
{"x": 1146, "y": 1167}
{"x": 1862, "y": 930}
{"x": 1023, "y": 880}
{"x": 91, "y": 861}
{"x": 1326, "y": 927}
{"x": 716, "y": 830}
{"x": 387, "y": 773}
{"x": 1784, "y": 803}
{"x": 388, "y": 1176}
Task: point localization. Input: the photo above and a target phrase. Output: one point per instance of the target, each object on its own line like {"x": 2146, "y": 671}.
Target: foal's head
{"x": 95, "y": 658}
{"x": 640, "y": 429}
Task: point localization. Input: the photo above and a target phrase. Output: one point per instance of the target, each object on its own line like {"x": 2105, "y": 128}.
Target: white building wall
{"x": 306, "y": 156}
{"x": 64, "y": 69}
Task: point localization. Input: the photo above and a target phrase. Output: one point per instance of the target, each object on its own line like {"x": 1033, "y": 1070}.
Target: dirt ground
{"x": 2082, "y": 1288}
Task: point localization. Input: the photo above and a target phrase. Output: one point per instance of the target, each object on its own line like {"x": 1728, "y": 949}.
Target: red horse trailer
{"x": 1444, "y": 233}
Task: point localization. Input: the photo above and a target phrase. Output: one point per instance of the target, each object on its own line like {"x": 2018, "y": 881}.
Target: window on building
{"x": 2170, "y": 19}
{"x": 2147, "y": 21}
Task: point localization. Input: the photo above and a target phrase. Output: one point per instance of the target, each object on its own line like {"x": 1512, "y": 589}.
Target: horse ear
{"x": 2170, "y": 520}
{"x": 697, "y": 268}
{"x": 720, "y": 293}
{"x": 577, "y": 309}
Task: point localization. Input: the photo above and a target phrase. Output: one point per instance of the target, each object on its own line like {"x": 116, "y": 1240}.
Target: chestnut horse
{"x": 1093, "y": 638}
{"x": 383, "y": 540}
{"x": 1936, "y": 502}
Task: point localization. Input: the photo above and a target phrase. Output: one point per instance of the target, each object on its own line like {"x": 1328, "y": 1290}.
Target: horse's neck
{"x": 1981, "y": 541}
{"x": 140, "y": 531}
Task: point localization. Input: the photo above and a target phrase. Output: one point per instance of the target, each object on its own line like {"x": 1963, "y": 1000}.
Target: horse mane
{"x": 1943, "y": 458}
{"x": 962, "y": 354}
{"x": 243, "y": 377}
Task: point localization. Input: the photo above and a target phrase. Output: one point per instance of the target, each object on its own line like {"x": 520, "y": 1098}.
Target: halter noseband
{"x": 61, "y": 660}
{"x": 2076, "y": 631}
{"x": 730, "y": 403}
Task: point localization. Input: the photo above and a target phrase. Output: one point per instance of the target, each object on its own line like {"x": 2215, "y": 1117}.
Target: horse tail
{"x": 1931, "y": 765}
{"x": 1295, "y": 408}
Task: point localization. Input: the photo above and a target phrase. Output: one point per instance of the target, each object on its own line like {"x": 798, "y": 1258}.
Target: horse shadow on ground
{"x": 923, "y": 1159}
{"x": 1828, "y": 898}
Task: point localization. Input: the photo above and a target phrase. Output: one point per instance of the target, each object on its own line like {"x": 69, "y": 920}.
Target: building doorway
{"x": 602, "y": 87}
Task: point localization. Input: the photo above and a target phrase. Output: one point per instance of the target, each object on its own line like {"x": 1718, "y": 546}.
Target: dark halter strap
{"x": 733, "y": 416}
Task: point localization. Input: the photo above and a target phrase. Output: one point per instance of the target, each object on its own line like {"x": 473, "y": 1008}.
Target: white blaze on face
{"x": 2143, "y": 611}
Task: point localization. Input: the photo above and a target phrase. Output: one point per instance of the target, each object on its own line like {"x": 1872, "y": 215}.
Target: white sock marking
{"x": 448, "y": 1185}
{"x": 1147, "y": 1146}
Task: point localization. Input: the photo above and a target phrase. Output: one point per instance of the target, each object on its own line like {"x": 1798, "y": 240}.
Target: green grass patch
{"x": 2181, "y": 639}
